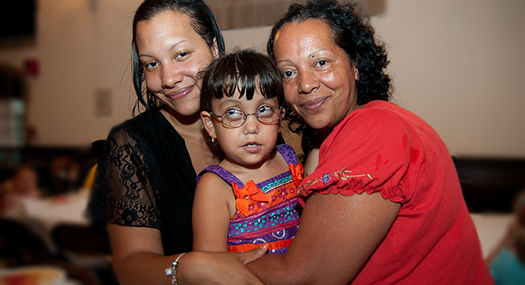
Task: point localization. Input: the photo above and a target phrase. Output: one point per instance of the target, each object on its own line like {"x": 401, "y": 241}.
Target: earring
{"x": 212, "y": 140}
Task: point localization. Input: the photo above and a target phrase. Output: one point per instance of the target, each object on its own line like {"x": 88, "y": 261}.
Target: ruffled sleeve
{"x": 371, "y": 150}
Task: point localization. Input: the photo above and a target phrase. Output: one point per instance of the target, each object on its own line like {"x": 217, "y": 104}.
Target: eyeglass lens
{"x": 236, "y": 118}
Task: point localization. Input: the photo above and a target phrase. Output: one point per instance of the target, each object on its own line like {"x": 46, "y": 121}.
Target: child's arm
{"x": 212, "y": 209}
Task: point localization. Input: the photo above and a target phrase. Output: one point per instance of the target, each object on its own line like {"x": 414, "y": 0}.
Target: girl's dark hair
{"x": 203, "y": 22}
{"x": 243, "y": 71}
{"x": 352, "y": 33}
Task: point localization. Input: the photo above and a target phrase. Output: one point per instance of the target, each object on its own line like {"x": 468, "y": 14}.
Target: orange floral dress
{"x": 267, "y": 212}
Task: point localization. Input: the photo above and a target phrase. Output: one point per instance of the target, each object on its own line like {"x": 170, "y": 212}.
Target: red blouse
{"x": 389, "y": 150}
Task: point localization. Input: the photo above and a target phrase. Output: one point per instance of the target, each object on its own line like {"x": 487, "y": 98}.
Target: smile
{"x": 181, "y": 93}
{"x": 314, "y": 104}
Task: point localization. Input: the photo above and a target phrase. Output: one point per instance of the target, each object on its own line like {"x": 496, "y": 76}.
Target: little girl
{"x": 250, "y": 197}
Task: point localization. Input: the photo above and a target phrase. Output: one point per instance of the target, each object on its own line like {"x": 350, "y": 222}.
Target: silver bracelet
{"x": 173, "y": 269}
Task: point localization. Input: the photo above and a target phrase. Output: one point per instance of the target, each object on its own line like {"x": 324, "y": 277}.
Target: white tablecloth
{"x": 50, "y": 212}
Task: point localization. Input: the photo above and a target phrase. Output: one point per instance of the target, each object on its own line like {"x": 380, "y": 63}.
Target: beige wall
{"x": 456, "y": 63}
{"x": 459, "y": 64}
{"x": 81, "y": 49}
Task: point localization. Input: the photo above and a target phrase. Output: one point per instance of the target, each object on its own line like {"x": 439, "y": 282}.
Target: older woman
{"x": 384, "y": 204}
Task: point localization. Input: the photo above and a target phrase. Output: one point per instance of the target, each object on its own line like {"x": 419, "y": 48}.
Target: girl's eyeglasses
{"x": 234, "y": 118}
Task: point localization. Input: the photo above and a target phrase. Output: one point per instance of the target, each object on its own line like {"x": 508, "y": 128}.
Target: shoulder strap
{"x": 222, "y": 173}
{"x": 288, "y": 153}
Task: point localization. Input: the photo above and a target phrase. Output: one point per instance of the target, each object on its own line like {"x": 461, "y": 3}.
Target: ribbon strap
{"x": 297, "y": 173}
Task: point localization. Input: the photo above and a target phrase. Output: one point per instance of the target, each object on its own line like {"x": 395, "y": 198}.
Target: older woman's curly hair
{"x": 355, "y": 36}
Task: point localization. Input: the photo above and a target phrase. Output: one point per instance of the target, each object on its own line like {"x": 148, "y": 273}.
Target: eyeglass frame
{"x": 245, "y": 117}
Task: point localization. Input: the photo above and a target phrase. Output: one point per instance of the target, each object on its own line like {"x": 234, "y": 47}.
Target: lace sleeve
{"x": 126, "y": 189}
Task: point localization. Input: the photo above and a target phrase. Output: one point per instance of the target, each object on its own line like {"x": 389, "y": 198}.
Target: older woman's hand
{"x": 218, "y": 267}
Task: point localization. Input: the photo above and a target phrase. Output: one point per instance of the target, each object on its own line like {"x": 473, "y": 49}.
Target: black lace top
{"x": 145, "y": 178}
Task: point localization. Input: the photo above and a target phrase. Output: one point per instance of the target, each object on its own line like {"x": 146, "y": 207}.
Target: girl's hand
{"x": 218, "y": 267}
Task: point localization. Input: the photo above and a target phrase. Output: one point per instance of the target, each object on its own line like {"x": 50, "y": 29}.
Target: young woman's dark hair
{"x": 352, "y": 33}
{"x": 243, "y": 71}
{"x": 203, "y": 23}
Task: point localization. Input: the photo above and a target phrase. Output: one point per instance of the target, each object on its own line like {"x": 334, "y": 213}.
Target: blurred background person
{"x": 507, "y": 260}
{"x": 23, "y": 184}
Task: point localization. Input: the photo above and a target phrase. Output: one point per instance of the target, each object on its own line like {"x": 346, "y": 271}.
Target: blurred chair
{"x": 96, "y": 150}
{"x": 85, "y": 246}
{"x": 19, "y": 246}
{"x": 81, "y": 240}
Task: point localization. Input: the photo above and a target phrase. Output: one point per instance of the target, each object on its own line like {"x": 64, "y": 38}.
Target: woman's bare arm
{"x": 337, "y": 236}
{"x": 138, "y": 259}
{"x": 138, "y": 255}
{"x": 229, "y": 268}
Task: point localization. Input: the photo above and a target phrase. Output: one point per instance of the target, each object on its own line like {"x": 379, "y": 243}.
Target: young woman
{"x": 146, "y": 177}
